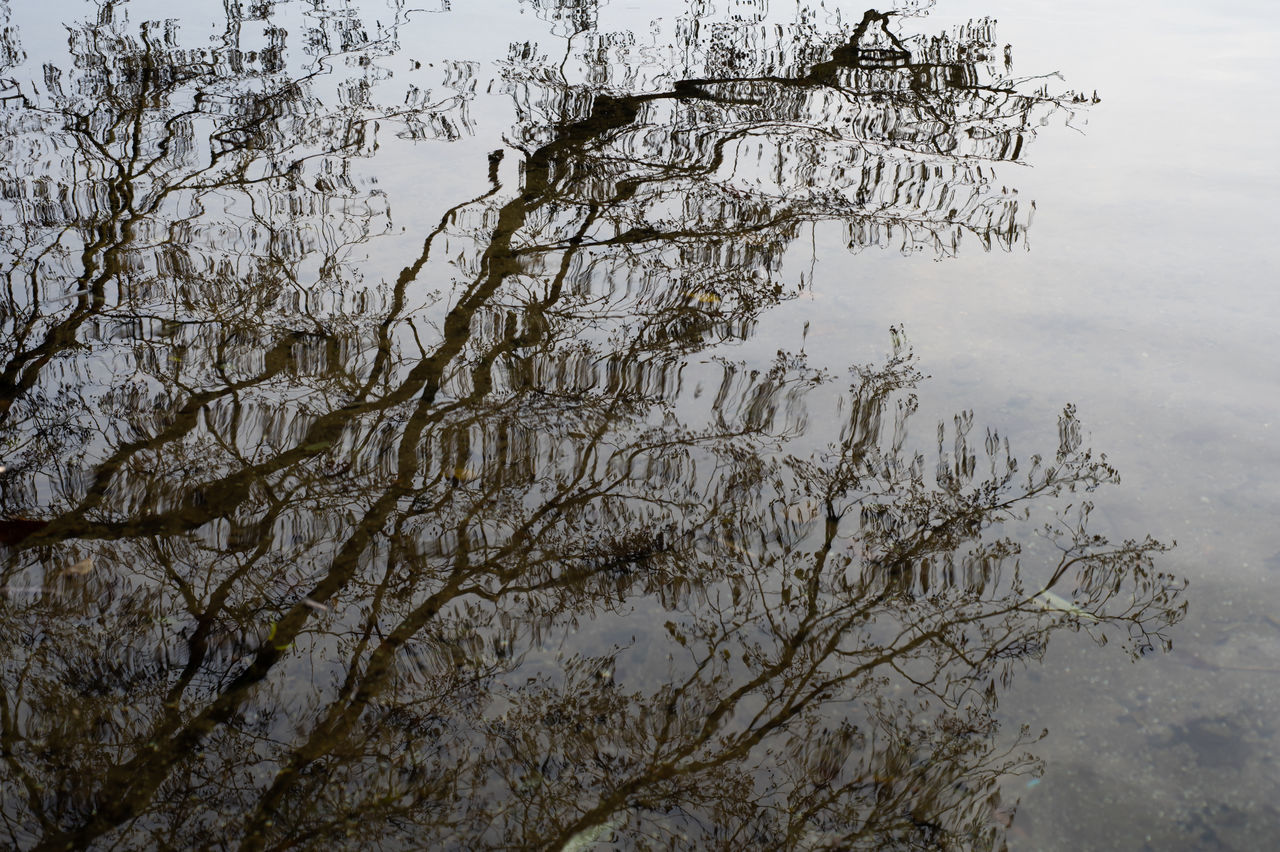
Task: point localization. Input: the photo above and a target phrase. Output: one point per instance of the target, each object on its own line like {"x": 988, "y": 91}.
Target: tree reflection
{"x": 460, "y": 558}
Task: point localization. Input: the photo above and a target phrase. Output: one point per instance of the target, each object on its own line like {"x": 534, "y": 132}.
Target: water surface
{"x": 576, "y": 425}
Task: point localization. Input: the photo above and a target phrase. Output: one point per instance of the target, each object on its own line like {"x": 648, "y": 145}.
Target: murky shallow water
{"x": 514, "y": 426}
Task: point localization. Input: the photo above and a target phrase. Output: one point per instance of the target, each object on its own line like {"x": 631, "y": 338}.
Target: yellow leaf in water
{"x": 703, "y": 297}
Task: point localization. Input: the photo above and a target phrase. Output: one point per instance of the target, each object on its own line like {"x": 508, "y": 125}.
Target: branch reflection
{"x": 467, "y": 557}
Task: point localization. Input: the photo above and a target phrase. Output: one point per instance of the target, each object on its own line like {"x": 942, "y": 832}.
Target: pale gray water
{"x": 273, "y": 545}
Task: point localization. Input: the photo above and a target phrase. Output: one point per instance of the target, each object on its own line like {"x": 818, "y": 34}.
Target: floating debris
{"x": 84, "y": 566}
{"x": 1057, "y": 603}
{"x": 316, "y": 605}
{"x": 588, "y": 837}
{"x": 703, "y": 297}
{"x": 464, "y": 474}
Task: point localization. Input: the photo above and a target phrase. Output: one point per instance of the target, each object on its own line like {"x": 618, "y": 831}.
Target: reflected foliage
{"x": 501, "y": 548}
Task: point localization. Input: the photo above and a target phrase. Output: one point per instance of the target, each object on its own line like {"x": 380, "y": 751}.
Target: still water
{"x": 575, "y": 425}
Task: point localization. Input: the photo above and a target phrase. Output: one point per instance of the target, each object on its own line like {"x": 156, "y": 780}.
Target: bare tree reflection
{"x": 296, "y": 558}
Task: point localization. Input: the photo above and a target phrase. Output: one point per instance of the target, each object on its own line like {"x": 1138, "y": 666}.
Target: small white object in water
{"x": 1053, "y": 601}
{"x": 587, "y": 838}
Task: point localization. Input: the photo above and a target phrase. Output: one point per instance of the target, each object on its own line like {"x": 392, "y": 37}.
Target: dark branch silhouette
{"x": 298, "y": 556}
